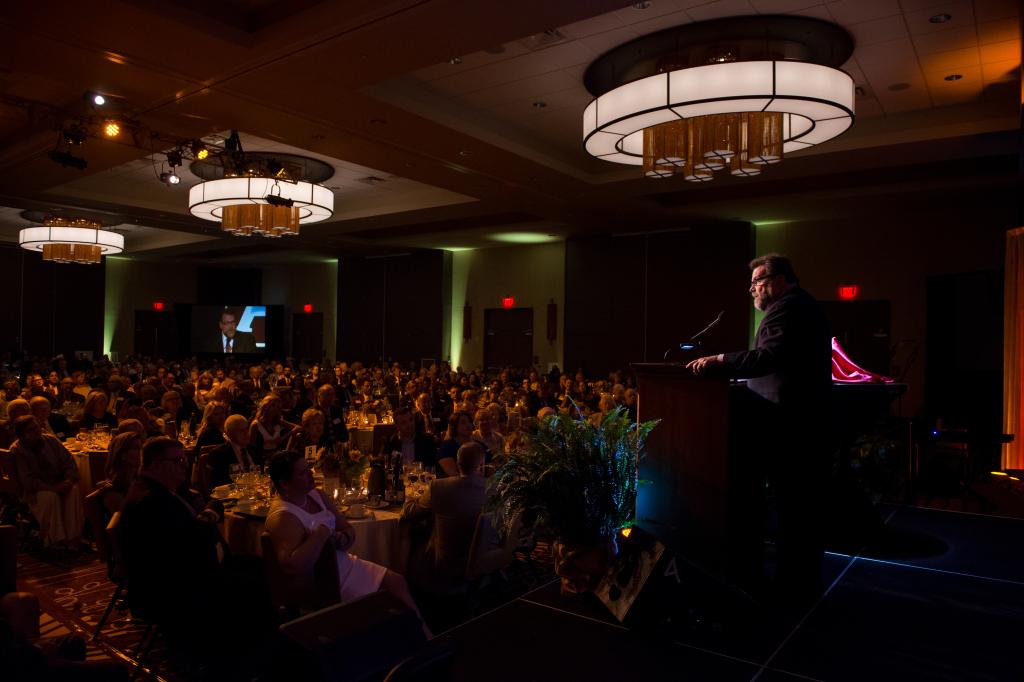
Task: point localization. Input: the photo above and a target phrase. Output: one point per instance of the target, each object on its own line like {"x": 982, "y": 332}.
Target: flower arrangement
{"x": 344, "y": 464}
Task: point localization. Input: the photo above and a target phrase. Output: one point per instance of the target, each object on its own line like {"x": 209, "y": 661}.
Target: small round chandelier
{"x": 261, "y": 194}
{"x": 71, "y": 240}
{"x": 736, "y": 94}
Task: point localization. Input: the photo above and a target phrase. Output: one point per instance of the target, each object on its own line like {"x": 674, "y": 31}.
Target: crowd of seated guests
{"x": 453, "y": 422}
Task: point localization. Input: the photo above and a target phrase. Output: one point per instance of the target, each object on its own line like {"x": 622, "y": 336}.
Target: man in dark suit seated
{"x": 234, "y": 451}
{"x": 230, "y": 340}
{"x": 179, "y": 572}
{"x": 413, "y": 444}
{"x": 335, "y": 428}
{"x": 455, "y": 503}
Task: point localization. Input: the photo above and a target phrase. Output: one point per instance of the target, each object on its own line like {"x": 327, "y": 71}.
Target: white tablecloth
{"x": 380, "y": 538}
{"x": 91, "y": 465}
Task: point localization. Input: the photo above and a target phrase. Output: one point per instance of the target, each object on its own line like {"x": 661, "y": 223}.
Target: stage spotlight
{"x": 111, "y": 129}
{"x": 67, "y": 160}
{"x": 74, "y": 135}
{"x": 199, "y": 151}
{"x": 95, "y": 98}
{"x": 169, "y": 178}
{"x": 278, "y": 200}
{"x": 174, "y": 158}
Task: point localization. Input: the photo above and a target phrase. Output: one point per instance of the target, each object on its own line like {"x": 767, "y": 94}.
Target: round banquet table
{"x": 380, "y": 537}
{"x": 91, "y": 464}
{"x": 370, "y": 439}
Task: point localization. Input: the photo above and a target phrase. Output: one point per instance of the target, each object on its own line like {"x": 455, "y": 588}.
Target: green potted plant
{"x": 576, "y": 480}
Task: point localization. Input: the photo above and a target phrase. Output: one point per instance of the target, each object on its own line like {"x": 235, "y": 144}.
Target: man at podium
{"x": 789, "y": 371}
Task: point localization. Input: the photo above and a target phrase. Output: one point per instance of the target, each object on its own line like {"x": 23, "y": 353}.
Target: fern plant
{"x": 575, "y": 479}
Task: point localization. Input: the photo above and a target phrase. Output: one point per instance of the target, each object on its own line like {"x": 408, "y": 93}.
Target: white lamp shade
{"x": 818, "y": 98}
{"x": 205, "y": 200}
{"x": 34, "y": 238}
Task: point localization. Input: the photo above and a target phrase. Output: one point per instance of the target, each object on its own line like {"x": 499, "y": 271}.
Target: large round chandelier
{"x": 263, "y": 194}
{"x": 71, "y": 240}
{"x": 736, "y": 94}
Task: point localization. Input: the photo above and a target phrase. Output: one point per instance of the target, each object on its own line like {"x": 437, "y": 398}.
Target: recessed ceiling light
{"x": 497, "y": 49}
{"x": 523, "y": 238}
{"x": 896, "y": 87}
{"x": 641, "y": 5}
{"x": 859, "y": 91}
{"x": 940, "y": 18}
{"x": 539, "y": 104}
{"x": 954, "y": 77}
{"x": 465, "y": 152}
{"x": 455, "y": 61}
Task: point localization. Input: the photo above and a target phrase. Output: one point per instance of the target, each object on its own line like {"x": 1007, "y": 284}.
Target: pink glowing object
{"x": 846, "y": 371}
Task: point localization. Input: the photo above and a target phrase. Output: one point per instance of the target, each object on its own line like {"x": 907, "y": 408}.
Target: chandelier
{"x": 732, "y": 94}
{"x": 259, "y": 193}
{"x": 71, "y": 240}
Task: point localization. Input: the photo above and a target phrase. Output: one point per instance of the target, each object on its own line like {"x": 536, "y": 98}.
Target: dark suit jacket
{"x": 242, "y": 342}
{"x": 456, "y": 503}
{"x": 791, "y": 363}
{"x": 424, "y": 446}
{"x": 170, "y": 555}
{"x": 220, "y": 460}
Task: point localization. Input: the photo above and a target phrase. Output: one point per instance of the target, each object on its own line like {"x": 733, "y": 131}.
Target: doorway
{"x": 508, "y": 337}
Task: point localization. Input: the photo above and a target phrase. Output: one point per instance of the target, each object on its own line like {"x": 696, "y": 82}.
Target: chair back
{"x": 93, "y": 504}
{"x": 8, "y": 475}
{"x": 287, "y": 593}
{"x": 201, "y": 472}
{"x": 486, "y": 553}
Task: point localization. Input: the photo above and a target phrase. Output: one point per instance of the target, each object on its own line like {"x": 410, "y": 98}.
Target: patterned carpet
{"x": 74, "y": 592}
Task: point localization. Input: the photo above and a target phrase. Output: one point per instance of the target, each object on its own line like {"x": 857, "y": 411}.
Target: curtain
{"x": 1013, "y": 350}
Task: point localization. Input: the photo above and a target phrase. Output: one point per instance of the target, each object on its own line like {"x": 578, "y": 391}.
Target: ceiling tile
{"x": 887, "y": 63}
{"x": 954, "y": 59}
{"x": 987, "y": 10}
{"x": 867, "y": 107}
{"x": 960, "y": 11}
{"x": 914, "y": 5}
{"x": 588, "y": 27}
{"x": 664, "y": 21}
{"x": 969, "y": 77}
{"x": 944, "y": 41}
{"x": 527, "y": 88}
{"x": 1001, "y": 52}
{"x": 721, "y": 8}
{"x": 602, "y": 42}
{"x": 878, "y": 30}
{"x": 849, "y": 12}
{"x": 994, "y": 72}
{"x": 629, "y": 16}
{"x": 998, "y": 31}
{"x": 783, "y": 6}
{"x": 957, "y": 95}
{"x": 817, "y": 12}
{"x": 512, "y": 70}
{"x": 470, "y": 62}
{"x": 905, "y": 100}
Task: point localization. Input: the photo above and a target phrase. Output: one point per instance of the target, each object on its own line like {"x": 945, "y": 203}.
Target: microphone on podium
{"x": 694, "y": 341}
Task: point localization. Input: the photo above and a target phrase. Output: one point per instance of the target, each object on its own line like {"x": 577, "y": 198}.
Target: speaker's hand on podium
{"x": 700, "y": 366}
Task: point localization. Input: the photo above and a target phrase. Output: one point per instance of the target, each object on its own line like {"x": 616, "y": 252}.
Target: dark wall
{"x": 229, "y": 286}
{"x": 630, "y": 298}
{"x": 49, "y": 308}
{"x": 391, "y": 308}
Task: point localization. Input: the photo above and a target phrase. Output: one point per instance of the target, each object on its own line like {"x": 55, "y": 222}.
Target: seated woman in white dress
{"x": 302, "y": 519}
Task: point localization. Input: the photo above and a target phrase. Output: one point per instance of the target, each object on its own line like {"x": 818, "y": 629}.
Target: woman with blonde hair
{"x": 269, "y": 431}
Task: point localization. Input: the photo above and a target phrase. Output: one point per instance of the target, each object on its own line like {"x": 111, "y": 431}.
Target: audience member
{"x": 48, "y": 478}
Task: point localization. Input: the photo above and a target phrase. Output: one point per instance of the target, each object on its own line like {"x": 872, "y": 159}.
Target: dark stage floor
{"x": 943, "y": 600}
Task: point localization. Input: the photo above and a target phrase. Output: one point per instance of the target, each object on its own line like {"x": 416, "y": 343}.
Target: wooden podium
{"x": 706, "y": 490}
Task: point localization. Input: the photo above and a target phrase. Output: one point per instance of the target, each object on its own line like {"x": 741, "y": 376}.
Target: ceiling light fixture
{"x": 953, "y": 77}
{"x": 95, "y": 98}
{"x": 169, "y": 178}
{"x": 74, "y": 240}
{"x": 255, "y": 194}
{"x": 455, "y": 61}
{"x": 111, "y": 128}
{"x": 940, "y": 18}
{"x": 74, "y": 135}
{"x": 659, "y": 104}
